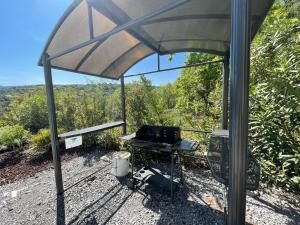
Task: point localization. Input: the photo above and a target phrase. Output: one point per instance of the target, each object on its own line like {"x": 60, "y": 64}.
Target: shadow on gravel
{"x": 61, "y": 215}
{"x": 288, "y": 211}
{"x": 291, "y": 213}
{"x": 88, "y": 177}
{"x": 104, "y": 208}
{"x": 92, "y": 158}
{"x": 201, "y": 186}
{"x": 183, "y": 210}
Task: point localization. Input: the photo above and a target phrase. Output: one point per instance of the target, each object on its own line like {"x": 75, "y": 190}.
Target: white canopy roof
{"x": 119, "y": 33}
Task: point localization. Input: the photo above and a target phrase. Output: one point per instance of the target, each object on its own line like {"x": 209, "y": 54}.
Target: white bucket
{"x": 120, "y": 164}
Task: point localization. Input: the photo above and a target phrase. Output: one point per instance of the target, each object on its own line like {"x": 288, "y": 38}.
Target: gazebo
{"x": 105, "y": 38}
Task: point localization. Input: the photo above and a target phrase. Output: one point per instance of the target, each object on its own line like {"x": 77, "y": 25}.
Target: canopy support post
{"x": 158, "y": 62}
{"x": 239, "y": 111}
{"x": 123, "y": 105}
{"x": 53, "y": 125}
{"x": 225, "y": 93}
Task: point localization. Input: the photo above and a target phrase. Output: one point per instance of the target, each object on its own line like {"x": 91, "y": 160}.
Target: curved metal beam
{"x": 195, "y": 17}
{"x": 119, "y": 17}
{"x": 120, "y": 57}
{"x": 57, "y": 26}
{"x": 134, "y": 22}
{"x": 87, "y": 55}
{"x": 83, "y": 73}
{"x": 214, "y": 52}
{"x": 194, "y": 39}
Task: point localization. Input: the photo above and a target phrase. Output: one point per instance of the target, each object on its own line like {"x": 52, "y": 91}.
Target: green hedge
{"x": 13, "y": 136}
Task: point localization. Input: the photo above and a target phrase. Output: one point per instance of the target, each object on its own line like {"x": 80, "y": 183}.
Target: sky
{"x": 25, "y": 28}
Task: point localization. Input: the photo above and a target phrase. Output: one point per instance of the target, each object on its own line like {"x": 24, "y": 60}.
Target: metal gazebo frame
{"x": 235, "y": 64}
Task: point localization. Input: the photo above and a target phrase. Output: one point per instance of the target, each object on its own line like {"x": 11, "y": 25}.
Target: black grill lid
{"x": 159, "y": 134}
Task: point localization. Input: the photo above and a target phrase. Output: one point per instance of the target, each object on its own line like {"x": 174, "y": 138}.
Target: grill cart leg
{"x": 132, "y": 152}
{"x": 172, "y": 176}
{"x": 181, "y": 173}
{"x": 131, "y": 184}
{"x": 146, "y": 160}
{"x": 225, "y": 196}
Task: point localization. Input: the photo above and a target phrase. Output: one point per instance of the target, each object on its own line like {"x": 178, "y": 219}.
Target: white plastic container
{"x": 120, "y": 163}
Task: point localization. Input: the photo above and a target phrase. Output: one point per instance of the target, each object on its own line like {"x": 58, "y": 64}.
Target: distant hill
{"x": 7, "y": 93}
{"x": 23, "y": 87}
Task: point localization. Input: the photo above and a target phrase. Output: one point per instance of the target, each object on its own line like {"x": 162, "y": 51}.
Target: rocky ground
{"x": 93, "y": 196}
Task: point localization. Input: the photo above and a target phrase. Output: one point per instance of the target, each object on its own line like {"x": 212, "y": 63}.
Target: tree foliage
{"x": 13, "y": 136}
{"x": 142, "y": 104}
{"x": 75, "y": 107}
{"x": 30, "y": 110}
{"x": 199, "y": 93}
{"x": 275, "y": 96}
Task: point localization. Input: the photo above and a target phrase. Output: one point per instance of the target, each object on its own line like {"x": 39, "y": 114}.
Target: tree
{"x": 90, "y": 106}
{"x": 275, "y": 96}
{"x": 29, "y": 110}
{"x": 199, "y": 92}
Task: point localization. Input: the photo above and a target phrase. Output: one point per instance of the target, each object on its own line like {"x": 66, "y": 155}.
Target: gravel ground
{"x": 100, "y": 198}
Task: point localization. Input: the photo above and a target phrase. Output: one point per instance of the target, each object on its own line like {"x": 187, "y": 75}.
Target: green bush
{"x": 41, "y": 139}
{"x": 3, "y": 123}
{"x": 11, "y": 136}
{"x": 29, "y": 110}
{"x": 109, "y": 140}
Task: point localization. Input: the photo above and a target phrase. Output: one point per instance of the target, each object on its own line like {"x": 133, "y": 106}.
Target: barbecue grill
{"x": 160, "y": 139}
{"x": 157, "y": 138}
{"x": 159, "y": 134}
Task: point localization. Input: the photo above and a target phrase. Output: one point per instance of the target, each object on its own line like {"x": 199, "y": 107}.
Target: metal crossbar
{"x": 176, "y": 68}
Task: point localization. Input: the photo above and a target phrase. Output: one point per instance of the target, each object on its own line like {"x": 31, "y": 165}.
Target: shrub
{"x": 41, "y": 139}
{"x": 274, "y": 99}
{"x": 11, "y": 136}
{"x": 3, "y": 123}
{"x": 29, "y": 110}
{"x": 109, "y": 140}
{"x": 89, "y": 140}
